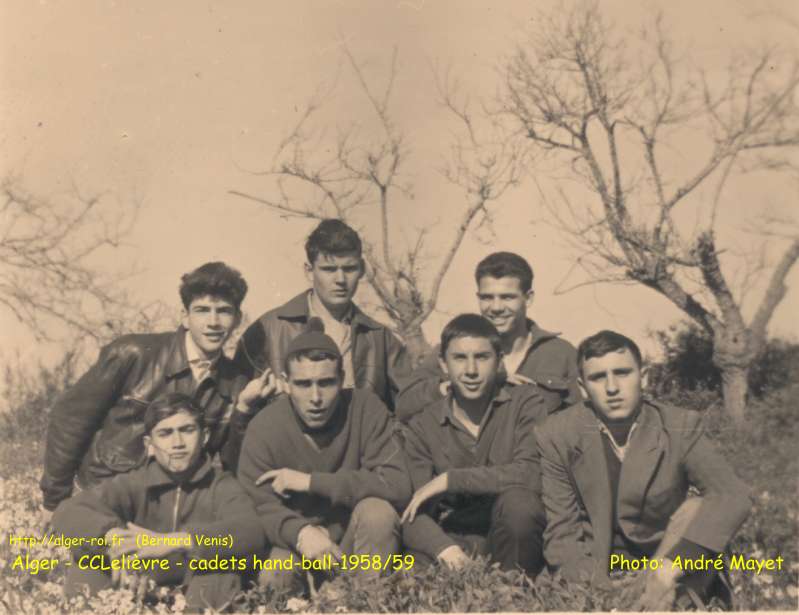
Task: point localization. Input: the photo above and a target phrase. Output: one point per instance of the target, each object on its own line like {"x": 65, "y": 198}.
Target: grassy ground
{"x": 763, "y": 453}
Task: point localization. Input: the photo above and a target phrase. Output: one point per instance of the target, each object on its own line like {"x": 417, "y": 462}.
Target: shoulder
{"x": 563, "y": 424}
{"x": 678, "y": 422}
{"x": 271, "y": 420}
{"x": 426, "y": 422}
{"x": 137, "y": 345}
{"x": 556, "y": 346}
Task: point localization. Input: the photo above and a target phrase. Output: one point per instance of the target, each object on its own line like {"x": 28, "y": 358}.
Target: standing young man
{"x": 95, "y": 429}
{"x": 324, "y": 465}
{"x": 616, "y": 471}
{"x": 472, "y": 459}
{"x": 531, "y": 355}
{"x": 373, "y": 358}
{"x": 165, "y": 512}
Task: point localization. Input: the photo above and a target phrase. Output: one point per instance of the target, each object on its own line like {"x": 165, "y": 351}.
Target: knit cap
{"x": 313, "y": 338}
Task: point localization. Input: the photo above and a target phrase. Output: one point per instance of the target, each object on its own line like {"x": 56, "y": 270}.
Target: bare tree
{"x": 52, "y": 273}
{"x": 366, "y": 174}
{"x": 615, "y": 112}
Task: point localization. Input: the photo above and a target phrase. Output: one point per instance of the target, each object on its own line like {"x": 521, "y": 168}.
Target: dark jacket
{"x": 210, "y": 503}
{"x": 502, "y": 457}
{"x": 667, "y": 453}
{"x": 378, "y": 357}
{"x": 95, "y": 429}
{"x": 550, "y": 362}
{"x": 363, "y": 458}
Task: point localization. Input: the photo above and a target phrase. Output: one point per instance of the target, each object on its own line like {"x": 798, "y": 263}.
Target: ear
{"x": 528, "y": 297}
{"x": 206, "y": 436}
{"x": 362, "y": 266}
{"x": 237, "y": 320}
{"x": 148, "y": 446}
{"x": 184, "y": 318}
{"x": 443, "y": 365}
{"x": 582, "y": 387}
{"x": 308, "y": 268}
{"x": 644, "y": 377}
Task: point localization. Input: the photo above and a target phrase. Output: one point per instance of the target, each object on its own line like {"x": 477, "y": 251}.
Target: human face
{"x": 210, "y": 321}
{"x": 504, "y": 303}
{"x": 471, "y": 364}
{"x": 314, "y": 387}
{"x": 335, "y": 278}
{"x": 613, "y": 383}
{"x": 176, "y": 442}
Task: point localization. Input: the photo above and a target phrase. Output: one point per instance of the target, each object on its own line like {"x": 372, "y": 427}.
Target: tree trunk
{"x": 415, "y": 343}
{"x": 734, "y": 386}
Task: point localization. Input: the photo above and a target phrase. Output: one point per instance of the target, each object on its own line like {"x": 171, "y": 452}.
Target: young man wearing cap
{"x": 472, "y": 459}
{"x": 531, "y": 355}
{"x": 176, "y": 512}
{"x": 95, "y": 429}
{"x": 372, "y": 357}
{"x": 324, "y": 465}
{"x": 616, "y": 471}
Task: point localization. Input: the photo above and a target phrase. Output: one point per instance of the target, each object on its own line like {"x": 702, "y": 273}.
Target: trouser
{"x": 512, "y": 535}
{"x": 703, "y": 583}
{"x": 203, "y": 590}
{"x": 373, "y": 529}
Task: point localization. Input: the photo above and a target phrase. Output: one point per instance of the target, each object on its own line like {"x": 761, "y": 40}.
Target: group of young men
{"x": 331, "y": 445}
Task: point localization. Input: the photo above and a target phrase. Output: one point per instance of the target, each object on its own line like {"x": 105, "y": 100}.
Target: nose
{"x": 341, "y": 280}
{"x": 178, "y": 441}
{"x": 316, "y": 395}
{"x": 471, "y": 366}
{"x": 496, "y": 304}
{"x": 214, "y": 318}
{"x": 611, "y": 385}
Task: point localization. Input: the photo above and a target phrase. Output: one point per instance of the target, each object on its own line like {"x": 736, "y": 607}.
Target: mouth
{"x": 178, "y": 456}
{"x": 615, "y": 404}
{"x": 472, "y": 386}
{"x": 214, "y": 337}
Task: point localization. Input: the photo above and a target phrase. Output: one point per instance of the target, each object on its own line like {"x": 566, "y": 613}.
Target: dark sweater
{"x": 361, "y": 458}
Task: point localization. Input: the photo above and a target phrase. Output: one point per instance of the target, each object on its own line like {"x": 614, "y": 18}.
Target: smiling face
{"x": 471, "y": 364}
{"x": 314, "y": 388}
{"x": 504, "y": 303}
{"x": 335, "y": 278}
{"x": 176, "y": 442}
{"x": 613, "y": 383}
{"x": 210, "y": 321}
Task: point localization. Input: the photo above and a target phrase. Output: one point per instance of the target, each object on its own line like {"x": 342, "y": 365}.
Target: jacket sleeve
{"x": 575, "y": 394}
{"x": 424, "y": 534}
{"x": 420, "y": 389}
{"x": 398, "y": 366}
{"x": 383, "y": 472}
{"x": 92, "y": 512}
{"x": 76, "y": 417}
{"x": 235, "y": 518}
{"x": 522, "y": 470}
{"x": 565, "y": 545}
{"x": 281, "y": 524}
{"x": 725, "y": 502}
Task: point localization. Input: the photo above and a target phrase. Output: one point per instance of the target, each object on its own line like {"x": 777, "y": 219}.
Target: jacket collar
{"x": 177, "y": 362}
{"x": 444, "y": 409}
{"x": 538, "y": 334}
{"x": 297, "y": 309}
{"x": 156, "y": 476}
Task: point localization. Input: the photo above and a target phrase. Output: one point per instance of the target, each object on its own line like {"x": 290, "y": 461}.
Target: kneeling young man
{"x": 616, "y": 471}
{"x": 177, "y": 508}
{"x": 324, "y": 464}
{"x": 472, "y": 459}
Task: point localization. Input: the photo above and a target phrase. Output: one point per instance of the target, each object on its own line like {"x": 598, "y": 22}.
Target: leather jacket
{"x": 96, "y": 428}
{"x": 379, "y": 359}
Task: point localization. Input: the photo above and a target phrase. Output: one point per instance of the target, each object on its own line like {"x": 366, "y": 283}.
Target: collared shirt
{"x": 620, "y": 450}
{"x": 340, "y": 331}
{"x": 513, "y": 360}
{"x": 200, "y": 366}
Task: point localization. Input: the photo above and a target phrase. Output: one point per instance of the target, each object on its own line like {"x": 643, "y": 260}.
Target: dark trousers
{"x": 511, "y": 533}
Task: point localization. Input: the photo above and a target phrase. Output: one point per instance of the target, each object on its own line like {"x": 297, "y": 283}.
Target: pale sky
{"x": 173, "y": 102}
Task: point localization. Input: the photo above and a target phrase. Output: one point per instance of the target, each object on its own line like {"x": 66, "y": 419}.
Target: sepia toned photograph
{"x": 412, "y": 306}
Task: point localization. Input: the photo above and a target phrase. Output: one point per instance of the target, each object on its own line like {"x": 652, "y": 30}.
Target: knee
{"x": 520, "y": 512}
{"x": 375, "y": 515}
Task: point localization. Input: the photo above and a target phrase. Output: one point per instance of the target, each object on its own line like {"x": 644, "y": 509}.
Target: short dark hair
{"x": 332, "y": 236}
{"x": 313, "y": 354}
{"x": 214, "y": 279}
{"x": 505, "y": 264}
{"x": 470, "y": 325}
{"x": 600, "y": 344}
{"x": 168, "y": 405}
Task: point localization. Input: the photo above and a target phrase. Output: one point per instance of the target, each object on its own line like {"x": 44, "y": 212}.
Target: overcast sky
{"x": 175, "y": 102}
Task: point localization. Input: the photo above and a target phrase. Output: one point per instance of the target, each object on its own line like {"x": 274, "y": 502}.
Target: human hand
{"x": 285, "y": 480}
{"x": 314, "y": 543}
{"x": 258, "y": 389}
{"x": 454, "y": 557}
{"x": 660, "y": 589}
{"x": 433, "y": 488}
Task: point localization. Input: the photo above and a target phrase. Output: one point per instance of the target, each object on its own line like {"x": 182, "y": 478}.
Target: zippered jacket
{"x": 96, "y": 427}
{"x": 211, "y": 503}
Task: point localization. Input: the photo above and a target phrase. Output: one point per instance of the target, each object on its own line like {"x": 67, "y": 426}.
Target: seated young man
{"x": 616, "y": 471}
{"x": 530, "y": 355}
{"x": 323, "y": 464}
{"x": 95, "y": 428}
{"x": 176, "y": 499}
{"x": 472, "y": 459}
